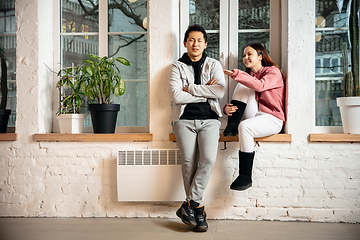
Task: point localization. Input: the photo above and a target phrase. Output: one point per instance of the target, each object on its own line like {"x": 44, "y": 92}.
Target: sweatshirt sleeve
{"x": 177, "y": 94}
{"x": 211, "y": 91}
{"x": 271, "y": 78}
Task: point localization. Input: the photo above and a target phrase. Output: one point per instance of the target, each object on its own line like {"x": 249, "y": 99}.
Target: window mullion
{"x": 233, "y": 41}
{"x": 103, "y": 28}
{"x": 184, "y": 23}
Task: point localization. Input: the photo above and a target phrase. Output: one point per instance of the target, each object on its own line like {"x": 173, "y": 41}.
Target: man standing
{"x": 197, "y": 83}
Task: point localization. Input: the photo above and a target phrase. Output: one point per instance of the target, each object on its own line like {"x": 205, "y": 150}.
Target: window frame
{"x": 4, "y": 34}
{"x": 103, "y": 51}
{"x": 324, "y": 129}
{"x": 228, "y": 39}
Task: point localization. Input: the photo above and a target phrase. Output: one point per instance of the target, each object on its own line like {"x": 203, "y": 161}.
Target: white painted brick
{"x": 352, "y": 184}
{"x": 335, "y": 203}
{"x": 333, "y": 184}
{"x": 53, "y": 189}
{"x": 313, "y": 184}
{"x": 315, "y": 193}
{"x": 299, "y": 213}
{"x": 50, "y": 161}
{"x": 288, "y": 163}
{"x": 276, "y": 202}
{"x": 240, "y": 202}
{"x": 263, "y": 163}
{"x": 273, "y": 192}
{"x": 273, "y": 183}
{"x": 312, "y": 164}
{"x": 296, "y": 183}
{"x": 291, "y": 193}
{"x": 257, "y": 212}
{"x": 273, "y": 172}
{"x": 56, "y": 180}
{"x": 276, "y": 213}
{"x": 321, "y": 214}
{"x": 79, "y": 189}
{"x": 291, "y": 173}
{"x": 235, "y": 213}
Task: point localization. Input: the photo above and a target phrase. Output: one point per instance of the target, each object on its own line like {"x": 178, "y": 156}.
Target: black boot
{"x": 234, "y": 120}
{"x": 243, "y": 181}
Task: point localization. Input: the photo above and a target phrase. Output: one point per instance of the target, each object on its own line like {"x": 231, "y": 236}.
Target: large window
{"x": 331, "y": 32}
{"x": 8, "y": 50}
{"x": 110, "y": 28}
{"x": 231, "y": 25}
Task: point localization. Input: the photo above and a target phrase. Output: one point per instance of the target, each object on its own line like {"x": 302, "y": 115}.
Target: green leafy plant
{"x": 102, "y": 78}
{"x": 3, "y": 84}
{"x": 70, "y": 85}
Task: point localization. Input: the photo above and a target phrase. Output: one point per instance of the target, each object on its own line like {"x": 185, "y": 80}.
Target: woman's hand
{"x": 230, "y": 109}
{"x": 228, "y": 72}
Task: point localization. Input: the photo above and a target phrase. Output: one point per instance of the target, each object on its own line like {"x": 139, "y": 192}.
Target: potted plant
{"x": 69, "y": 85}
{"x": 350, "y": 104}
{"x": 4, "y": 113}
{"x": 102, "y": 79}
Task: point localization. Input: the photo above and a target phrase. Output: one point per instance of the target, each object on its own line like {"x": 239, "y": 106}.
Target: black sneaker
{"x": 187, "y": 214}
{"x": 200, "y": 216}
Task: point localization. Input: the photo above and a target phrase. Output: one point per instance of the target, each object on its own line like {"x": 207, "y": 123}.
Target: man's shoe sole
{"x": 189, "y": 223}
{"x": 200, "y": 229}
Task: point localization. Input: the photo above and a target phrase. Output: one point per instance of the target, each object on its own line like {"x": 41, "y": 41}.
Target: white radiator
{"x": 149, "y": 175}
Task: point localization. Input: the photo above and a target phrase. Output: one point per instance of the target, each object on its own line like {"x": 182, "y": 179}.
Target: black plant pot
{"x": 4, "y": 118}
{"x": 103, "y": 117}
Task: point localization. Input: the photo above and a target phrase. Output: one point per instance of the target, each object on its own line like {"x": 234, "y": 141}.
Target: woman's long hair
{"x": 266, "y": 59}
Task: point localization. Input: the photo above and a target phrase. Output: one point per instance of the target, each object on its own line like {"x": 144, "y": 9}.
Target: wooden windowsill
{"x": 273, "y": 138}
{"x": 8, "y": 136}
{"x": 90, "y": 137}
{"x": 317, "y": 137}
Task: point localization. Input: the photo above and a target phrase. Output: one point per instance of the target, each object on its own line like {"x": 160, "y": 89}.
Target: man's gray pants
{"x": 198, "y": 144}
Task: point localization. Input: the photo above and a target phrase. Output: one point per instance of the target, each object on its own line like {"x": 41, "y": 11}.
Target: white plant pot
{"x": 350, "y": 114}
{"x": 71, "y": 123}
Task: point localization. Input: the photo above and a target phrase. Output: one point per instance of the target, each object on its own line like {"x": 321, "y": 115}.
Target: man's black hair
{"x": 196, "y": 28}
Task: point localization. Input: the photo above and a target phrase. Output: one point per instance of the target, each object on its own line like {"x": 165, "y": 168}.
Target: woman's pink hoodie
{"x": 269, "y": 87}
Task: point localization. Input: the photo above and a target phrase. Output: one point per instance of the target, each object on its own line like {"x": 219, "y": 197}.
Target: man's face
{"x": 195, "y": 45}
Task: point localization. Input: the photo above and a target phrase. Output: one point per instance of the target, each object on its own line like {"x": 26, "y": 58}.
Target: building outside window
{"x": 8, "y": 48}
{"x": 125, "y": 25}
{"x": 331, "y": 32}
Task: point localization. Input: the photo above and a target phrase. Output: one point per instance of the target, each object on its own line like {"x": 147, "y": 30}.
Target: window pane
{"x": 80, "y": 16}
{"x": 212, "y": 48}
{"x": 8, "y": 50}
{"x": 133, "y": 104}
{"x": 205, "y": 13}
{"x": 127, "y": 16}
{"x": 254, "y": 14}
{"x": 75, "y": 49}
{"x": 330, "y": 14}
{"x": 128, "y": 23}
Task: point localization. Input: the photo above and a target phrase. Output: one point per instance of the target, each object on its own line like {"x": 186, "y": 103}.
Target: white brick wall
{"x": 83, "y": 184}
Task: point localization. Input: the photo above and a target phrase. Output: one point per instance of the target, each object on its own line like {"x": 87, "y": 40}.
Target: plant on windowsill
{"x": 102, "y": 80}
{"x": 4, "y": 113}
{"x": 350, "y": 104}
{"x": 69, "y": 85}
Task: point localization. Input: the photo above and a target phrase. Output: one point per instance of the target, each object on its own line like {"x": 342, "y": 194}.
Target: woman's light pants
{"x": 254, "y": 123}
